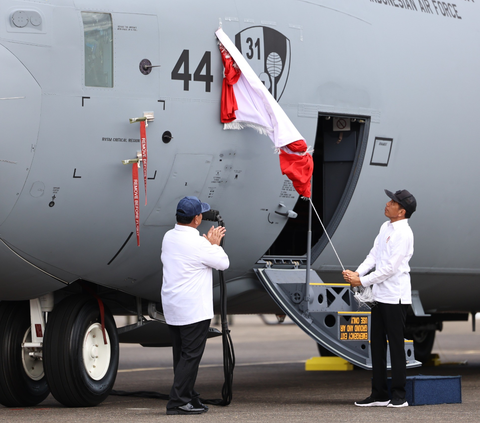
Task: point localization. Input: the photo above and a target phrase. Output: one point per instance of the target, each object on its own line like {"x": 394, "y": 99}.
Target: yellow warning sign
{"x": 353, "y": 328}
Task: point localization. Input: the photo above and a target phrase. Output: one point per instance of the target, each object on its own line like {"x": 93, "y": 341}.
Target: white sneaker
{"x": 371, "y": 402}
{"x": 397, "y": 403}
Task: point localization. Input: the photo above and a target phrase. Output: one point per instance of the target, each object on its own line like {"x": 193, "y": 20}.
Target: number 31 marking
{"x": 203, "y": 72}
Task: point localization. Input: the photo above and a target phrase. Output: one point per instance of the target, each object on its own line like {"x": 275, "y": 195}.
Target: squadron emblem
{"x": 268, "y": 53}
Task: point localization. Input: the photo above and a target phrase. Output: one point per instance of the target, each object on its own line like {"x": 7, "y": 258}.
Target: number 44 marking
{"x": 203, "y": 73}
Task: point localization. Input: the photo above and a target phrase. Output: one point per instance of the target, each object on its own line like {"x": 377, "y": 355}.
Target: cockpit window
{"x": 98, "y": 49}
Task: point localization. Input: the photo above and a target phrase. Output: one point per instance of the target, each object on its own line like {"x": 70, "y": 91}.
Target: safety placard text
{"x": 353, "y": 328}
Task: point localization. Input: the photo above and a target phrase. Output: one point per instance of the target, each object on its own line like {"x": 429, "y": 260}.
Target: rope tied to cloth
{"x": 361, "y": 294}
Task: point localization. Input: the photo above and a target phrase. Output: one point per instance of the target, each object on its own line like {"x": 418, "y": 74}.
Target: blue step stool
{"x": 428, "y": 390}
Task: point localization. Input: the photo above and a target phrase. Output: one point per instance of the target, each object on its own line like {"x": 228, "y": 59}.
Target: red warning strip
{"x": 102, "y": 318}
{"x": 38, "y": 330}
{"x": 136, "y": 200}
{"x": 100, "y": 306}
{"x": 143, "y": 140}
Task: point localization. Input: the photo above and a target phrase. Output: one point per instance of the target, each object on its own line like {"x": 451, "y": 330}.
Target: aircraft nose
{"x": 20, "y": 102}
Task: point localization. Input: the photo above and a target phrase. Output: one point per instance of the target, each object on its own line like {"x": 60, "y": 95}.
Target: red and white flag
{"x": 246, "y": 102}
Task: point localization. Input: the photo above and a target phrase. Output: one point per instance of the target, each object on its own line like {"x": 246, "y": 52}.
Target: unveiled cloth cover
{"x": 247, "y": 102}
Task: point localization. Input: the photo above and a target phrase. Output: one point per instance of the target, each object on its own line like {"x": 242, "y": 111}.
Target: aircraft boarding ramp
{"x": 328, "y": 313}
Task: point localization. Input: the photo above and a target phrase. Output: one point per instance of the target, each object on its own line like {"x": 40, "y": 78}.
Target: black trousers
{"x": 188, "y": 347}
{"x": 388, "y": 321}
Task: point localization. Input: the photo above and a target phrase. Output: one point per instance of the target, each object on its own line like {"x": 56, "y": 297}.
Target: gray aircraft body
{"x": 384, "y": 91}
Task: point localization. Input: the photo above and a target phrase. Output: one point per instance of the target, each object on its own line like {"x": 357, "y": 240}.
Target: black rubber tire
{"x": 67, "y": 377}
{"x": 423, "y": 344}
{"x": 17, "y": 389}
{"x": 324, "y": 352}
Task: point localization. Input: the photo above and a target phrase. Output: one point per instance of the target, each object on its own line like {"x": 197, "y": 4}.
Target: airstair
{"x": 327, "y": 312}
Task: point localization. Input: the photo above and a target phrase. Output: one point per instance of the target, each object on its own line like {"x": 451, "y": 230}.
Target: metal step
{"x": 327, "y": 312}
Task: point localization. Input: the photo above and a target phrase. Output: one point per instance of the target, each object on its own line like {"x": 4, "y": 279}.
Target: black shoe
{"x": 372, "y": 402}
{"x": 199, "y": 404}
{"x": 397, "y": 403}
{"x": 185, "y": 409}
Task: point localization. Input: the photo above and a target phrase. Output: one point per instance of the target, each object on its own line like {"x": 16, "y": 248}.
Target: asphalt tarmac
{"x": 271, "y": 384}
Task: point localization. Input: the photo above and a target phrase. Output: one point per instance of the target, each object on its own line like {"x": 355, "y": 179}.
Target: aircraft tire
{"x": 80, "y": 368}
{"x": 17, "y": 387}
{"x": 324, "y": 352}
{"x": 423, "y": 344}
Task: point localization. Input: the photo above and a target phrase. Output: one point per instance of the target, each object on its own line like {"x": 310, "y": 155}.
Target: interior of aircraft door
{"x": 339, "y": 150}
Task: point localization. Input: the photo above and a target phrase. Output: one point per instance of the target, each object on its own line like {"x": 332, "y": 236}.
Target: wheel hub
{"x": 96, "y": 354}
{"x": 32, "y": 358}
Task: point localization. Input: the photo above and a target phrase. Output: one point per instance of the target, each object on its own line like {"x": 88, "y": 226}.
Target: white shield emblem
{"x": 268, "y": 53}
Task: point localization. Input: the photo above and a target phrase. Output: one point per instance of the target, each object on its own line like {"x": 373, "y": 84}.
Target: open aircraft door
{"x": 328, "y": 312}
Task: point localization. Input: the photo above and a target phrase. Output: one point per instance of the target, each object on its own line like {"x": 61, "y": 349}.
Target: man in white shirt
{"x": 391, "y": 289}
{"x": 187, "y": 297}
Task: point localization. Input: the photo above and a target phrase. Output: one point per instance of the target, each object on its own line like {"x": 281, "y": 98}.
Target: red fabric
{"x": 143, "y": 140}
{"x": 100, "y": 306}
{"x": 229, "y": 103}
{"x": 299, "y": 169}
{"x": 136, "y": 200}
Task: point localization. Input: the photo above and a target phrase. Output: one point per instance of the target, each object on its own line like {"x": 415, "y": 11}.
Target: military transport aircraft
{"x": 386, "y": 91}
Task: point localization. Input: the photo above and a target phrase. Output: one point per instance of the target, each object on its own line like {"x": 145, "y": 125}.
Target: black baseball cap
{"x": 404, "y": 198}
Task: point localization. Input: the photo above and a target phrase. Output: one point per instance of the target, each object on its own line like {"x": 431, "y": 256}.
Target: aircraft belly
{"x": 25, "y": 281}
{"x": 447, "y": 291}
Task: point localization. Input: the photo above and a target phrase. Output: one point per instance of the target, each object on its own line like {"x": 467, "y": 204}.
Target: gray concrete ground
{"x": 270, "y": 383}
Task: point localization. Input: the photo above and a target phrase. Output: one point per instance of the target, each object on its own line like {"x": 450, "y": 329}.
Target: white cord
{"x": 361, "y": 294}
{"x": 335, "y": 251}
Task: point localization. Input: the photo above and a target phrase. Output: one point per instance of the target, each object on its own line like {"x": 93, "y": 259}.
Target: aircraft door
{"x": 20, "y": 103}
{"x": 339, "y": 148}
{"x": 338, "y": 153}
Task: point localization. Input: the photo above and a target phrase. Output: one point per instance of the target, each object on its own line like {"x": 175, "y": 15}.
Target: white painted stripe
{"x": 206, "y": 366}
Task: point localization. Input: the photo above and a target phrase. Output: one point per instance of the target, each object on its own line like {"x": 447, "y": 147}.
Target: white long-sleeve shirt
{"x": 391, "y": 252}
{"x": 187, "y": 289}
